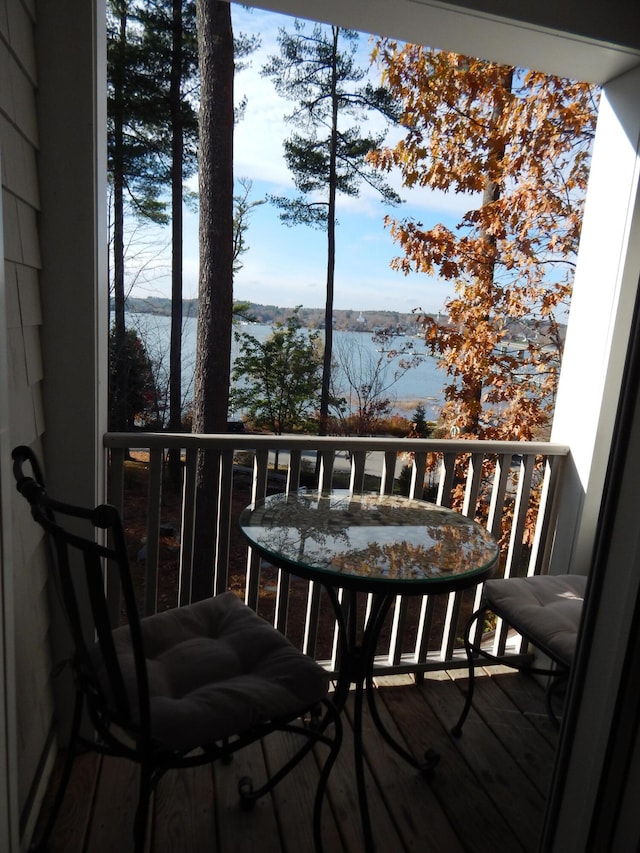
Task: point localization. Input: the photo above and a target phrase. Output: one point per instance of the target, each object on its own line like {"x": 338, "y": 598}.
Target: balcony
{"x": 508, "y": 744}
{"x": 69, "y": 265}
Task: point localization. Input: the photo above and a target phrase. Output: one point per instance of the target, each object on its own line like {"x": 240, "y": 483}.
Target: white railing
{"x": 511, "y": 487}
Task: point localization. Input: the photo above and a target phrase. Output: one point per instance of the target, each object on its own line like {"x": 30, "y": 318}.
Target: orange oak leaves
{"x": 518, "y": 143}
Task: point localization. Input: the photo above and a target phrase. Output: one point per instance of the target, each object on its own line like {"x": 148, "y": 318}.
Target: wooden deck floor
{"x": 488, "y": 791}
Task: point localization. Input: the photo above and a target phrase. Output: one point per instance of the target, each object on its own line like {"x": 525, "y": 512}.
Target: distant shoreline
{"x": 344, "y": 319}
{"x": 518, "y": 332}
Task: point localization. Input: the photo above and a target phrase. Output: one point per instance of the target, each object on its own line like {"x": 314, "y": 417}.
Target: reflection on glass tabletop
{"x": 380, "y": 540}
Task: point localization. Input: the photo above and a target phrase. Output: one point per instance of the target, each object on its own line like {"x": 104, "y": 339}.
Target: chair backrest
{"x": 81, "y": 565}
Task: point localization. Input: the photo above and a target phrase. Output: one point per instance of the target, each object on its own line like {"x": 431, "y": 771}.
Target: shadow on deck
{"x": 487, "y": 793}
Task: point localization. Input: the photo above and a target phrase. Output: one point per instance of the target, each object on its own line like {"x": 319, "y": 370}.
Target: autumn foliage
{"x": 518, "y": 143}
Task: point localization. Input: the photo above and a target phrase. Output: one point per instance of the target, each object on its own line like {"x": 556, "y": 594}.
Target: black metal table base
{"x": 355, "y": 666}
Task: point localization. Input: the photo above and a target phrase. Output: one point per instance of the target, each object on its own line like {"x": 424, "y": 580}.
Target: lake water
{"x": 421, "y": 384}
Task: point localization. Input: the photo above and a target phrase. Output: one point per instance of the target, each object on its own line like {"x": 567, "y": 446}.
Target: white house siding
{"x": 53, "y": 339}
{"x": 27, "y": 679}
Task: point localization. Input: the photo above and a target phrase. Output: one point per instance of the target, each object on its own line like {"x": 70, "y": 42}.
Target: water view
{"x": 421, "y": 384}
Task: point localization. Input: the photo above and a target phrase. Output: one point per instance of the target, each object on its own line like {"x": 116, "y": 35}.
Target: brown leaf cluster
{"x": 519, "y": 143}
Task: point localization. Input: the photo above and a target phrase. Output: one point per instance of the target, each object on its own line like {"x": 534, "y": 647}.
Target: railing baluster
{"x": 398, "y": 627}
{"x": 474, "y": 481}
{"x": 445, "y": 488}
{"x": 514, "y": 552}
{"x": 450, "y": 625}
{"x": 283, "y": 582}
{"x": 335, "y": 645}
{"x": 327, "y": 462}
{"x": 447, "y": 478}
{"x": 472, "y": 493}
{"x": 312, "y": 619}
{"x": 388, "y": 472}
{"x": 496, "y": 505}
{"x": 520, "y": 508}
{"x": 501, "y": 471}
{"x": 152, "y": 547}
{"x": 116, "y": 495}
{"x": 358, "y": 468}
{"x": 187, "y": 527}
{"x": 418, "y": 473}
{"x": 258, "y": 491}
{"x": 425, "y": 621}
{"x": 293, "y": 472}
{"x": 281, "y": 613}
{"x": 547, "y": 514}
{"x": 221, "y": 577}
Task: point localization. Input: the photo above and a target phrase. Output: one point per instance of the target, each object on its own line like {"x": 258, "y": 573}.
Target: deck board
{"x": 528, "y": 747}
{"x": 295, "y": 795}
{"x": 383, "y": 828}
{"x": 487, "y": 793}
{"x": 464, "y": 798}
{"x": 72, "y": 824}
{"x": 491, "y": 765}
{"x": 182, "y": 809}
{"x": 407, "y": 793}
{"x": 111, "y": 826}
{"x": 233, "y": 821}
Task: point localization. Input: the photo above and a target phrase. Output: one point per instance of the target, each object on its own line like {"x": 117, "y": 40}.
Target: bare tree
{"x": 362, "y": 387}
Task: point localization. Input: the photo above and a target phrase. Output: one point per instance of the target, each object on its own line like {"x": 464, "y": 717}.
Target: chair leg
{"x": 41, "y": 844}
{"x": 456, "y": 731}
{"x": 313, "y": 734}
{"x": 558, "y": 679}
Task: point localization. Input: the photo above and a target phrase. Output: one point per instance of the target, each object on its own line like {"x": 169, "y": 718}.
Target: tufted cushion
{"x": 216, "y": 669}
{"x": 545, "y": 609}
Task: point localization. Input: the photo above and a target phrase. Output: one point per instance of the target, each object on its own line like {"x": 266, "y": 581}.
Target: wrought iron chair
{"x": 545, "y": 610}
{"x": 181, "y": 688}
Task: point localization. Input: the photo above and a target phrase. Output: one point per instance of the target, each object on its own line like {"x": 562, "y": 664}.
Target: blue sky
{"x": 287, "y": 266}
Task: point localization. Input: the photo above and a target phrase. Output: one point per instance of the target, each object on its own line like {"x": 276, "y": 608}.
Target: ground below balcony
{"x": 488, "y": 792}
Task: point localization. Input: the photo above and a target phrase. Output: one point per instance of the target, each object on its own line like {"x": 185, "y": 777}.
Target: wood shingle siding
{"x": 33, "y": 696}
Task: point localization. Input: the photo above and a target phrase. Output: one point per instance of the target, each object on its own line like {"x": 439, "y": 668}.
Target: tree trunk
{"x": 331, "y": 245}
{"x": 215, "y": 302}
{"x": 118, "y": 405}
{"x": 492, "y": 191}
{"x": 177, "y": 152}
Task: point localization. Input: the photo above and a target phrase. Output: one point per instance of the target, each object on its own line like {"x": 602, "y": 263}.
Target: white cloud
{"x": 258, "y": 136}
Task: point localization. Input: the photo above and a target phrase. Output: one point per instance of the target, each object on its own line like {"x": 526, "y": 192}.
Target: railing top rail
{"x": 250, "y": 441}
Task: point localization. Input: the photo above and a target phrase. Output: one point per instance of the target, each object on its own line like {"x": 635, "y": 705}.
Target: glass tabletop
{"x": 372, "y": 542}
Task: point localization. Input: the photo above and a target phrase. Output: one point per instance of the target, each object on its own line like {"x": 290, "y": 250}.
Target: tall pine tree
{"x": 317, "y": 69}
{"x": 215, "y": 293}
{"x": 136, "y": 175}
{"x": 171, "y": 58}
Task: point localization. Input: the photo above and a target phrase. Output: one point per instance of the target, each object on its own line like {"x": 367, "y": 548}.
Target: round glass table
{"x": 379, "y": 545}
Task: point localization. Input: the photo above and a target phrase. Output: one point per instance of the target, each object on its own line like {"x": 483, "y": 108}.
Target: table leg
{"x": 378, "y": 614}
{"x": 358, "y": 757}
{"x": 352, "y": 669}
{"x": 356, "y": 664}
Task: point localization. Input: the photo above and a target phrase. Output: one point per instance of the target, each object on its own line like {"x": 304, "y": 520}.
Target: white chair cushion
{"x": 545, "y": 609}
{"x": 216, "y": 669}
